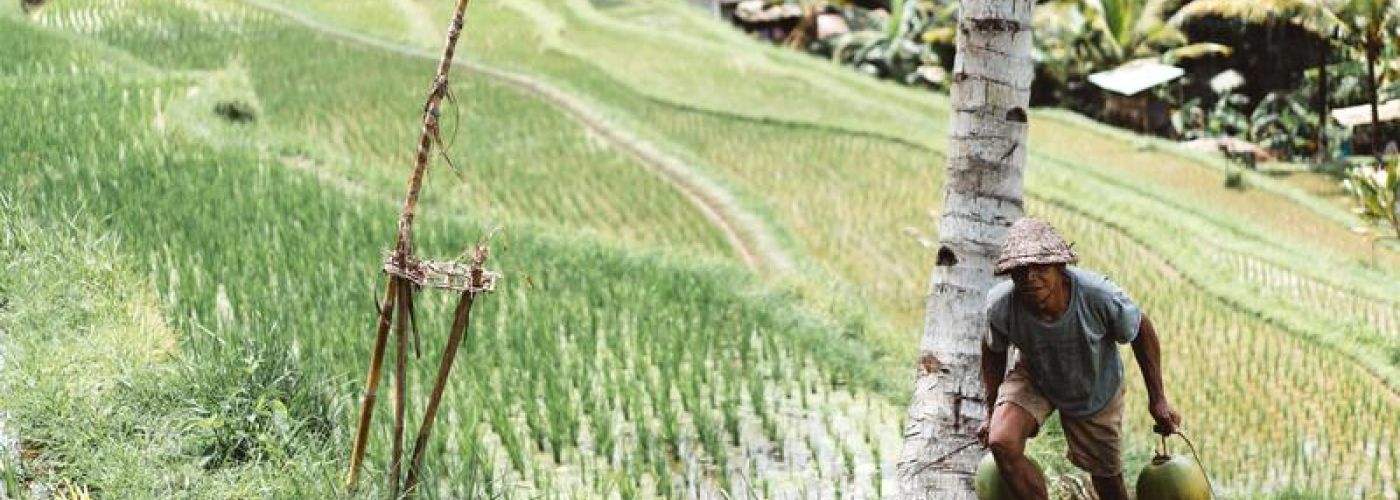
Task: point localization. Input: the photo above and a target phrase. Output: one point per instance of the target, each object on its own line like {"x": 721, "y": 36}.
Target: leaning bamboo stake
{"x": 400, "y": 384}
{"x": 376, "y": 360}
{"x": 461, "y": 318}
{"x": 403, "y": 244}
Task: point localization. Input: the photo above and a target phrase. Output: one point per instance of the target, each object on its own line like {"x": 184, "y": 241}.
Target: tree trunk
{"x": 982, "y": 197}
{"x": 1371, "y": 53}
{"x": 1323, "y": 155}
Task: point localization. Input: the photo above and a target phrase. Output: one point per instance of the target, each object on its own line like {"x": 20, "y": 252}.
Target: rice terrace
{"x": 701, "y": 249}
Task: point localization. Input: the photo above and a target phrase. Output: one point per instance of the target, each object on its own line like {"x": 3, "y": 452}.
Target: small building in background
{"x": 1357, "y": 120}
{"x": 1126, "y": 100}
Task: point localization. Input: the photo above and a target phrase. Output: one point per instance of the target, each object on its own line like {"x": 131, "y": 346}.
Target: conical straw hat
{"x": 1033, "y": 241}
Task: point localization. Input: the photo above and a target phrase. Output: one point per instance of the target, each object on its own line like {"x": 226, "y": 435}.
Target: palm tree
{"x": 1314, "y": 16}
{"x": 1104, "y": 34}
{"x": 1368, "y": 24}
{"x": 982, "y": 197}
{"x": 1130, "y": 29}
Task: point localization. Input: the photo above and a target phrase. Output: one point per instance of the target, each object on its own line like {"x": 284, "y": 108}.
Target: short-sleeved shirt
{"x": 1072, "y": 359}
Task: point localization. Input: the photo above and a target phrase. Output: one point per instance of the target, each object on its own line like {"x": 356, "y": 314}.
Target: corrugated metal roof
{"x": 1361, "y": 115}
{"x": 1135, "y": 76}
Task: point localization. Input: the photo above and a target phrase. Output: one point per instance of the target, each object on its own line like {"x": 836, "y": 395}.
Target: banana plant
{"x": 1281, "y": 122}
{"x": 1318, "y": 17}
{"x": 896, "y": 50}
{"x": 1229, "y": 117}
{"x": 1375, "y": 192}
{"x": 1078, "y": 37}
{"x": 1370, "y": 27}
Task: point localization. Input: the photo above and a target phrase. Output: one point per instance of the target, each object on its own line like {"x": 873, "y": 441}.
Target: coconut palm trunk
{"x": 982, "y": 197}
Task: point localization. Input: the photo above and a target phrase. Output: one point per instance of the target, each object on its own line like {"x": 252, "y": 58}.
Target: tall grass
{"x": 108, "y": 398}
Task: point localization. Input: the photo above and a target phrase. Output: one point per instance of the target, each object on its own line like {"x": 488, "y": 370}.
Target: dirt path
{"x": 746, "y": 234}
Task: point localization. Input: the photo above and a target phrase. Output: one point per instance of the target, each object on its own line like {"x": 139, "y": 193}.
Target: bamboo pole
{"x": 400, "y": 381}
{"x": 403, "y": 243}
{"x": 430, "y": 125}
{"x": 461, "y": 318}
{"x": 376, "y": 360}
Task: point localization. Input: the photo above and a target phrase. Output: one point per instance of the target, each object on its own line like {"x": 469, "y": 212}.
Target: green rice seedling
{"x": 730, "y": 410}
{"x": 713, "y": 443}
{"x": 627, "y": 488}
{"x": 561, "y": 418}
{"x": 501, "y": 424}
{"x": 601, "y": 429}
{"x": 848, "y": 459}
{"x": 670, "y": 424}
{"x": 661, "y": 473}
{"x": 878, "y": 477}
{"x": 758, "y": 401}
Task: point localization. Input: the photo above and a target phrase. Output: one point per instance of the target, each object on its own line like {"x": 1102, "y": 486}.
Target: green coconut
{"x": 1173, "y": 477}
{"x": 990, "y": 485}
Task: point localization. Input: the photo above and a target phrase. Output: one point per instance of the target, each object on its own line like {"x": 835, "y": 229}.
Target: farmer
{"x": 1065, "y": 323}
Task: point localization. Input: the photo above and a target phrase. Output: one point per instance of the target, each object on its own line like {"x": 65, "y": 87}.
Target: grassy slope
{"x": 1205, "y": 229}
{"x": 239, "y": 247}
{"x": 870, "y": 233}
{"x": 360, "y": 125}
{"x": 1311, "y": 242}
{"x": 1099, "y": 174}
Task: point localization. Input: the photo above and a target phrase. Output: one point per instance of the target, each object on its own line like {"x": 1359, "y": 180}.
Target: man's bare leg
{"x": 1111, "y": 488}
{"x": 1011, "y": 427}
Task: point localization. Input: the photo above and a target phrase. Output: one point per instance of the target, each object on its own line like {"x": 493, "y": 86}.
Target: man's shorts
{"x": 1095, "y": 442}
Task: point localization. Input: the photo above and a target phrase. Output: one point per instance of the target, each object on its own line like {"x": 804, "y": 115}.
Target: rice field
{"x": 1308, "y": 236}
{"x": 1278, "y": 413}
{"x": 589, "y": 364}
{"x": 360, "y": 125}
{"x": 884, "y": 110}
{"x": 629, "y": 356}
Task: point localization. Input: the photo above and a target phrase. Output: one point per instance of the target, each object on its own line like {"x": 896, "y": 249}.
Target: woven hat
{"x": 1033, "y": 241}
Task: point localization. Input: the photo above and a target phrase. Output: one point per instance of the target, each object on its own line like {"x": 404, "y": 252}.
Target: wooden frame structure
{"x": 407, "y": 275}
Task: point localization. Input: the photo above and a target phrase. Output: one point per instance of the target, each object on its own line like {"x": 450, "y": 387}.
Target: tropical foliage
{"x": 1280, "y": 122}
{"x": 901, "y": 46}
{"x": 1085, "y": 36}
{"x": 1369, "y": 25}
{"x": 1376, "y": 191}
{"x": 1361, "y": 27}
{"x": 1315, "y": 16}
{"x": 1075, "y": 38}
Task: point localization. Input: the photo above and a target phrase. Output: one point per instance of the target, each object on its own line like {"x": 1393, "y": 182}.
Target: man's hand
{"x": 1148, "y": 354}
{"x": 1167, "y": 419}
{"x": 984, "y": 431}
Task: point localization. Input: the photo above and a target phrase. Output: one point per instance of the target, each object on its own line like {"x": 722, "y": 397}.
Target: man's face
{"x": 1042, "y": 284}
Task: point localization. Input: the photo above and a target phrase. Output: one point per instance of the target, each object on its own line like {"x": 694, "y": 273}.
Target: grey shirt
{"x": 1072, "y": 360}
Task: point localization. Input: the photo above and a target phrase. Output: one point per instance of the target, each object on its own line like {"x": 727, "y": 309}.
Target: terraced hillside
{"x": 716, "y": 256}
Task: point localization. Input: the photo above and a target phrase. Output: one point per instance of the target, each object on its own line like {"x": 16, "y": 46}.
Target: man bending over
{"x": 1064, "y": 322}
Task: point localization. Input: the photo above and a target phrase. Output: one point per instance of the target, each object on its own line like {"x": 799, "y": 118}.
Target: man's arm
{"x": 1149, "y": 357}
{"x": 993, "y": 371}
